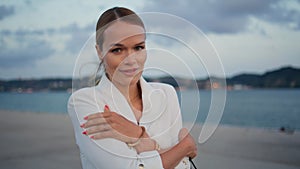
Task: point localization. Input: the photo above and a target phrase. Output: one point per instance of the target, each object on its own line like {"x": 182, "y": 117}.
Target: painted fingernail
{"x": 106, "y": 107}
{"x": 82, "y": 125}
{"x": 86, "y": 117}
{"x": 92, "y": 137}
{"x": 84, "y": 132}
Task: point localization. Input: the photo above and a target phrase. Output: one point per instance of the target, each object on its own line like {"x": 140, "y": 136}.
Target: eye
{"x": 116, "y": 50}
{"x": 138, "y": 48}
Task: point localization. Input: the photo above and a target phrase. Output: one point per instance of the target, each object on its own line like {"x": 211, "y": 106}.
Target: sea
{"x": 255, "y": 108}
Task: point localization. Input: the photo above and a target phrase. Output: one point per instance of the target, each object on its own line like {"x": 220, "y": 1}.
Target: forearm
{"x": 172, "y": 157}
{"x": 145, "y": 144}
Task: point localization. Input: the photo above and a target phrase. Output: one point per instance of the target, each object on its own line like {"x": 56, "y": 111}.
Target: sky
{"x": 42, "y": 39}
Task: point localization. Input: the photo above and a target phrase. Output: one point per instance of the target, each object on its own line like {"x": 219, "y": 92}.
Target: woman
{"x": 124, "y": 121}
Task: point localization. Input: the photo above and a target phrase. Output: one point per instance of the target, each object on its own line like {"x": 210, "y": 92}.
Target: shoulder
{"x": 168, "y": 89}
{"x": 82, "y": 94}
{"x": 82, "y": 102}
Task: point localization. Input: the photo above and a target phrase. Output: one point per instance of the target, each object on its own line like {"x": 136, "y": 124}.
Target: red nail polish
{"x": 82, "y": 125}
{"x": 92, "y": 137}
{"x": 86, "y": 117}
{"x": 84, "y": 132}
{"x": 106, "y": 107}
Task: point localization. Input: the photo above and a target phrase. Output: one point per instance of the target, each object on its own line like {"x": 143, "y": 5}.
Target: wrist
{"x": 146, "y": 144}
{"x": 156, "y": 146}
{"x": 185, "y": 147}
{"x": 189, "y": 147}
{"x": 132, "y": 142}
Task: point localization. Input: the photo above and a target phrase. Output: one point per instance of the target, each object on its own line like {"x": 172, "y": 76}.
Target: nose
{"x": 130, "y": 58}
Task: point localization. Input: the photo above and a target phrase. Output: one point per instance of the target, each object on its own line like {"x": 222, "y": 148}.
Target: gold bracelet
{"x": 157, "y": 147}
{"x": 134, "y": 144}
{"x": 139, "y": 138}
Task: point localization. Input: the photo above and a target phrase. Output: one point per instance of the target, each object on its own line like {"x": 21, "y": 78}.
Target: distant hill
{"x": 287, "y": 77}
{"x": 55, "y": 84}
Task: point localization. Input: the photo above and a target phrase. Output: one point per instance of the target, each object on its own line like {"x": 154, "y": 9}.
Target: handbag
{"x": 193, "y": 164}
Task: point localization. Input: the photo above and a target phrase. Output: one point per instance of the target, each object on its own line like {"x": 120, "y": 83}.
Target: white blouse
{"x": 161, "y": 118}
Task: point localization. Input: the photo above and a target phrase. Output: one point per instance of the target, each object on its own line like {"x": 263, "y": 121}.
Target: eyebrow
{"x": 121, "y": 45}
{"x": 140, "y": 43}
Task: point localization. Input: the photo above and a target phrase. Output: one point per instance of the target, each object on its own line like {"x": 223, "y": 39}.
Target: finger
{"x": 106, "y": 109}
{"x": 98, "y": 129}
{"x": 107, "y": 112}
{"x": 94, "y": 122}
{"x": 192, "y": 155}
{"x": 100, "y": 114}
{"x": 102, "y": 135}
{"x": 96, "y": 115}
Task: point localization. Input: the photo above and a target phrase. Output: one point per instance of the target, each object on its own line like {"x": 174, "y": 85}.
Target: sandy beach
{"x": 46, "y": 141}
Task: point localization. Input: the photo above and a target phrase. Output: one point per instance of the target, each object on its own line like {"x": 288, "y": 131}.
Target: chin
{"x": 127, "y": 80}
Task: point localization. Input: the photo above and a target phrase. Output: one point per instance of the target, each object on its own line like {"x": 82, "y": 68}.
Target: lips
{"x": 129, "y": 72}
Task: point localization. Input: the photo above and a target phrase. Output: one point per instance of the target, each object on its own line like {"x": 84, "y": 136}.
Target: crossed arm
{"x": 110, "y": 124}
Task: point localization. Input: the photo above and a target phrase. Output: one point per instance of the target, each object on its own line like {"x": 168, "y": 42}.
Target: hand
{"x": 188, "y": 141}
{"x": 110, "y": 124}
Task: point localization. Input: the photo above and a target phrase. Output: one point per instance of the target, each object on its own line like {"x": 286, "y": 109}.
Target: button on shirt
{"x": 161, "y": 118}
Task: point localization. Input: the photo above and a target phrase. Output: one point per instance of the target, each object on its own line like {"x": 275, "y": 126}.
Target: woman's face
{"x": 123, "y": 52}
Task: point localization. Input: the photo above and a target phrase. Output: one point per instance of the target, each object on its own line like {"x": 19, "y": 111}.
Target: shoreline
{"x": 44, "y": 140}
{"x": 289, "y": 129}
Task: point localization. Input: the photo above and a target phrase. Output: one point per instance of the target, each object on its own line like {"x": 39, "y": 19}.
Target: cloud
{"x": 230, "y": 16}
{"x": 20, "y": 49}
{"x": 25, "y": 47}
{"x": 6, "y": 11}
{"x": 285, "y": 14}
{"x": 78, "y": 36}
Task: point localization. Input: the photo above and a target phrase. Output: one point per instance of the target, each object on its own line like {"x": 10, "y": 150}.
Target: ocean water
{"x": 39, "y": 102}
{"x": 253, "y": 108}
{"x": 247, "y": 108}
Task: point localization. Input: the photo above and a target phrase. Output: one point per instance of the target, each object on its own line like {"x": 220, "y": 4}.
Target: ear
{"x": 99, "y": 51}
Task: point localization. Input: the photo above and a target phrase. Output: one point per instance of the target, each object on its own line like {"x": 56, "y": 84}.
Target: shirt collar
{"x": 154, "y": 100}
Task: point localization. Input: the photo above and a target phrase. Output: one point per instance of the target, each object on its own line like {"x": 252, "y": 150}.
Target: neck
{"x": 130, "y": 92}
{"x": 133, "y": 94}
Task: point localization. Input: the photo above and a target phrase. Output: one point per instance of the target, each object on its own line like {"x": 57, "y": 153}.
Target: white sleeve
{"x": 177, "y": 124}
{"x": 93, "y": 156}
{"x": 175, "y": 116}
